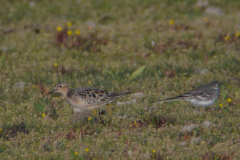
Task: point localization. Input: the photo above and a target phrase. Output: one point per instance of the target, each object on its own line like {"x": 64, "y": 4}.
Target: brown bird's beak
{"x": 52, "y": 91}
{"x": 220, "y": 83}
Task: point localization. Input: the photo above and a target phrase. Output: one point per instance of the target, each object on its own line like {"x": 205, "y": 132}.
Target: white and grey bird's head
{"x": 215, "y": 84}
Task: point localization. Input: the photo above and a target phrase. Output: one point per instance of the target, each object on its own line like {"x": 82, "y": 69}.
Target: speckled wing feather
{"x": 95, "y": 96}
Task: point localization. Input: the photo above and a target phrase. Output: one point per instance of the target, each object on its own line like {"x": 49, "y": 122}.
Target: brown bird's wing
{"x": 96, "y": 96}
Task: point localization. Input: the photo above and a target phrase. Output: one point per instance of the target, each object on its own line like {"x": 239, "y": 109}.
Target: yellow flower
{"x": 171, "y": 22}
{"x": 76, "y": 153}
{"x": 227, "y": 38}
{"x": 153, "y": 151}
{"x": 34, "y": 86}
{"x": 94, "y": 42}
{"x": 59, "y": 29}
{"x": 55, "y": 64}
{"x": 229, "y": 100}
{"x": 78, "y": 32}
{"x": 0, "y": 129}
{"x": 69, "y": 24}
{"x": 140, "y": 116}
{"x": 237, "y": 34}
{"x": 89, "y": 118}
{"x": 69, "y": 33}
{"x": 203, "y": 142}
{"x": 220, "y": 105}
{"x": 205, "y": 19}
{"x": 89, "y": 82}
{"x": 43, "y": 115}
{"x": 87, "y": 150}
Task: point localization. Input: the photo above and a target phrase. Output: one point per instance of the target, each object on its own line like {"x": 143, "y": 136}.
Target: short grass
{"x": 181, "y": 46}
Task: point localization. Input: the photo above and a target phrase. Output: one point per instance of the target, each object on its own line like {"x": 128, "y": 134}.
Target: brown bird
{"x": 86, "y": 98}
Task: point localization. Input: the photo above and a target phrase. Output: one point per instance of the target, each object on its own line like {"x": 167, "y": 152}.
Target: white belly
{"x": 204, "y": 103}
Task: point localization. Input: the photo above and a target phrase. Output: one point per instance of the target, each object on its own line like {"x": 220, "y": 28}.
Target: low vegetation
{"x": 155, "y": 49}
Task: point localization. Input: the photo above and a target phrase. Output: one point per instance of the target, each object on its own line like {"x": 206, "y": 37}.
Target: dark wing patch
{"x": 102, "y": 91}
{"x": 94, "y": 96}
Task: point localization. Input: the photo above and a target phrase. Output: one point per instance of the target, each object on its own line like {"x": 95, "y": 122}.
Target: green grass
{"x": 116, "y": 40}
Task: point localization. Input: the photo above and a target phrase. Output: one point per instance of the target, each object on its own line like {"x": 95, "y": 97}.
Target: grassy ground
{"x": 181, "y": 46}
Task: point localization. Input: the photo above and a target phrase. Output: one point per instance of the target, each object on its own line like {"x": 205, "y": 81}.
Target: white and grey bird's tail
{"x": 169, "y": 99}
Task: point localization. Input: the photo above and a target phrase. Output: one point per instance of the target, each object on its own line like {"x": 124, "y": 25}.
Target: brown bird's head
{"x": 61, "y": 88}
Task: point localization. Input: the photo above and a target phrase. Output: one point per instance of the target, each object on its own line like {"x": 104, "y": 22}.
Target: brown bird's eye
{"x": 60, "y": 86}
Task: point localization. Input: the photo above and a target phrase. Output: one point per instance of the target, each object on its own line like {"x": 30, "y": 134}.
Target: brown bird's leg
{"x": 94, "y": 113}
{"x": 109, "y": 110}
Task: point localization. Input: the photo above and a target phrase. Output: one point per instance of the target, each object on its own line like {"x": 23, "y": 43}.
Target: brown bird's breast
{"x": 78, "y": 103}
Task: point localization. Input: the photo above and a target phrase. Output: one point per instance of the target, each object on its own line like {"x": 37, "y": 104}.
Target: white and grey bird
{"x": 204, "y": 95}
{"x": 86, "y": 98}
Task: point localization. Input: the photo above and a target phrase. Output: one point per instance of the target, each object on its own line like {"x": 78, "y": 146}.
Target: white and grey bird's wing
{"x": 201, "y": 92}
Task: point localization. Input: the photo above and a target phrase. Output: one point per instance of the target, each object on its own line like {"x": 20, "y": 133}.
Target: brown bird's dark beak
{"x": 220, "y": 83}
{"x": 52, "y": 91}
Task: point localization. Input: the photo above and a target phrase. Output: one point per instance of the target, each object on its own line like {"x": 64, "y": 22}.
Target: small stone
{"x": 183, "y": 144}
{"x": 137, "y": 95}
{"x": 213, "y": 10}
{"x": 196, "y": 111}
{"x": 188, "y": 128}
{"x": 77, "y": 110}
{"x": 204, "y": 71}
{"x": 129, "y": 152}
{"x": 206, "y": 123}
{"x": 4, "y": 48}
{"x": 127, "y": 102}
{"x": 32, "y": 4}
{"x": 19, "y": 85}
{"x": 197, "y": 69}
{"x": 201, "y": 4}
{"x": 153, "y": 43}
{"x": 81, "y": 116}
{"x": 234, "y": 80}
{"x": 145, "y": 55}
{"x": 90, "y": 24}
{"x": 195, "y": 140}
